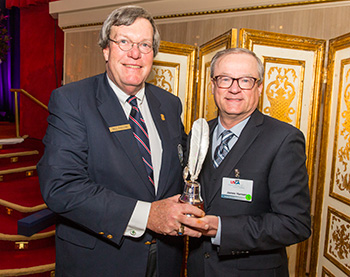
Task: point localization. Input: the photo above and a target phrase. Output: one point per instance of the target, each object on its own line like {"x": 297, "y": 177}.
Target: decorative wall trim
{"x": 252, "y": 8}
{"x": 224, "y": 11}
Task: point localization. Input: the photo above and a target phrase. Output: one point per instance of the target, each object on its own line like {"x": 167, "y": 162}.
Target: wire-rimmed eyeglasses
{"x": 126, "y": 45}
{"x": 223, "y": 81}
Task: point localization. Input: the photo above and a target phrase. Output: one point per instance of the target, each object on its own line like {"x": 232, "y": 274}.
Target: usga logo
{"x": 236, "y": 182}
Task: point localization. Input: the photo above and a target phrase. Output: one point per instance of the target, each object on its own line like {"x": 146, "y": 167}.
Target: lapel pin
{"x": 237, "y": 173}
{"x": 162, "y": 117}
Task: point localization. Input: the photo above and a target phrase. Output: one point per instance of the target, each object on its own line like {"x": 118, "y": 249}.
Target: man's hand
{"x": 167, "y": 215}
{"x": 213, "y": 222}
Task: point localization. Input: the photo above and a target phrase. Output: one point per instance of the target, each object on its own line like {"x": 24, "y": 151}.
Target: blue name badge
{"x": 237, "y": 189}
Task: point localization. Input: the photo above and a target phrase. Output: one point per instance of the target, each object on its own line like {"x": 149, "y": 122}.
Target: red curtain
{"x": 41, "y": 65}
{"x": 25, "y": 3}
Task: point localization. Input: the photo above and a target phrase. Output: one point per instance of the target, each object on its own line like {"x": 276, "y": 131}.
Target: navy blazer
{"x": 91, "y": 175}
{"x": 254, "y": 234}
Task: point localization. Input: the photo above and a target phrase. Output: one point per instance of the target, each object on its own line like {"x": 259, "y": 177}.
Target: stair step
{"x": 20, "y": 198}
{"x": 9, "y": 157}
{"x": 22, "y": 243}
{"x": 13, "y": 172}
{"x": 8, "y": 225}
{"x": 16, "y": 263}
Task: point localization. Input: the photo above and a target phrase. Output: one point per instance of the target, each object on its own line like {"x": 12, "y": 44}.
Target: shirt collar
{"x": 236, "y": 130}
{"x": 122, "y": 96}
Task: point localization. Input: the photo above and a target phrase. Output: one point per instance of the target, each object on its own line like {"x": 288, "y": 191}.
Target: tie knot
{"x": 226, "y": 136}
{"x": 132, "y": 101}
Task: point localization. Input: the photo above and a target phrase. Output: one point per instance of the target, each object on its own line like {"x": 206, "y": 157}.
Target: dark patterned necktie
{"x": 140, "y": 133}
{"x": 222, "y": 149}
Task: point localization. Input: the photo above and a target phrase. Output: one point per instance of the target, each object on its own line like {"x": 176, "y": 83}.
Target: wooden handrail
{"x": 31, "y": 97}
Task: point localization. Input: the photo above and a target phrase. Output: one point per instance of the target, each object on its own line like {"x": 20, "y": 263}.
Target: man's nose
{"x": 234, "y": 88}
{"x": 134, "y": 52}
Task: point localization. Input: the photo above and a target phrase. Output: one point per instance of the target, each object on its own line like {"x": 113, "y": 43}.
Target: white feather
{"x": 199, "y": 145}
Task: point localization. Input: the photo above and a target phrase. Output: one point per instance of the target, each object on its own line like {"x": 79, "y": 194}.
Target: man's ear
{"x": 106, "y": 53}
{"x": 260, "y": 88}
{"x": 212, "y": 86}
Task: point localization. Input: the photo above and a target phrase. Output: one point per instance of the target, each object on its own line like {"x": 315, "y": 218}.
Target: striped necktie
{"x": 140, "y": 133}
{"x": 222, "y": 149}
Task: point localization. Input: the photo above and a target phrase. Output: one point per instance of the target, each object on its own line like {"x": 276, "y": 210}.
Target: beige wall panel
{"x": 322, "y": 23}
{"x": 82, "y": 56}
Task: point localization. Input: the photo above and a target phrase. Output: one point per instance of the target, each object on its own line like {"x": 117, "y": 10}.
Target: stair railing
{"x": 31, "y": 97}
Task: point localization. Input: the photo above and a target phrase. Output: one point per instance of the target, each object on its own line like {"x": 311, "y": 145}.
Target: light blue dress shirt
{"x": 236, "y": 130}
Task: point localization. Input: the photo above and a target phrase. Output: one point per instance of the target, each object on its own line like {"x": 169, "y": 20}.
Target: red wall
{"x": 37, "y": 66}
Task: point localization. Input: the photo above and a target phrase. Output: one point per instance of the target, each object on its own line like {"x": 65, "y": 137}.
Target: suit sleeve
{"x": 288, "y": 219}
{"x": 64, "y": 178}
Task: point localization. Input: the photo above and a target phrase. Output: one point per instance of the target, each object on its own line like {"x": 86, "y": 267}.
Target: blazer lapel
{"x": 247, "y": 137}
{"x": 118, "y": 125}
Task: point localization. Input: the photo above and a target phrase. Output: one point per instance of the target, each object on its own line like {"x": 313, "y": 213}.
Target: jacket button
{"x": 101, "y": 233}
{"x": 206, "y": 255}
{"x": 109, "y": 237}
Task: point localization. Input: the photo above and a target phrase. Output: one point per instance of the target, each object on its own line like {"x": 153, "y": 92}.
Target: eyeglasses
{"x": 227, "y": 81}
{"x": 126, "y": 45}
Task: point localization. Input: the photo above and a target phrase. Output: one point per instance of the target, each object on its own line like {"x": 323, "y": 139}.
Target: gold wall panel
{"x": 331, "y": 222}
{"x": 174, "y": 70}
{"x": 166, "y": 76}
{"x": 205, "y": 100}
{"x": 282, "y": 98}
{"x": 340, "y": 179}
{"x": 292, "y": 93}
{"x": 337, "y": 244}
{"x": 326, "y": 273}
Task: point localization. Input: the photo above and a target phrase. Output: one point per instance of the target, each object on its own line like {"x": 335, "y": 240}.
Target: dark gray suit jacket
{"x": 92, "y": 177}
{"x": 254, "y": 234}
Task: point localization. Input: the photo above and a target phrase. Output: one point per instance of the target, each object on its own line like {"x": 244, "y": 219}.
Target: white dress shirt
{"x": 138, "y": 221}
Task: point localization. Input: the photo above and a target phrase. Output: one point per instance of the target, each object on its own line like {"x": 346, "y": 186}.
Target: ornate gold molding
{"x": 223, "y": 11}
{"x": 251, "y": 8}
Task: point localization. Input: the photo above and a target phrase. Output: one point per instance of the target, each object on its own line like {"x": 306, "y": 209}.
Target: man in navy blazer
{"x": 254, "y": 179}
{"x": 114, "y": 218}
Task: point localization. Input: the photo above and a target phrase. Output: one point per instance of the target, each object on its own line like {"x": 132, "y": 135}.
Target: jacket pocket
{"x": 75, "y": 236}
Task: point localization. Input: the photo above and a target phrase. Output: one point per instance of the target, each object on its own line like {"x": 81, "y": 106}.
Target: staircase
{"x": 20, "y": 197}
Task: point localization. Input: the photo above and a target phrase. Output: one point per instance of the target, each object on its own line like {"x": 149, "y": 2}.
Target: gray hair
{"x": 229, "y": 51}
{"x": 126, "y": 16}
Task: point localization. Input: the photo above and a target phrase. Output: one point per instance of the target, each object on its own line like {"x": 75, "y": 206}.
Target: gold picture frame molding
{"x": 335, "y": 45}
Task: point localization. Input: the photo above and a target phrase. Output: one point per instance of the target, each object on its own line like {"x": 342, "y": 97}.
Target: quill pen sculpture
{"x": 199, "y": 145}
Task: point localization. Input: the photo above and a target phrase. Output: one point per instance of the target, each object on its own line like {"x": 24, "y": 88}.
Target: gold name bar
{"x": 119, "y": 128}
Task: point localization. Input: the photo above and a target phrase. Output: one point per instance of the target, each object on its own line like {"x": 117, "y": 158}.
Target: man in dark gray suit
{"x": 254, "y": 179}
{"x": 112, "y": 167}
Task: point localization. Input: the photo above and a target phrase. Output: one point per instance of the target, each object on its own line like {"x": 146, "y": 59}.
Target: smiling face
{"x": 129, "y": 69}
{"x": 234, "y": 103}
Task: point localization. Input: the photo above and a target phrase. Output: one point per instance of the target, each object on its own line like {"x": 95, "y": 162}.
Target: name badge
{"x": 237, "y": 189}
{"x": 119, "y": 128}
